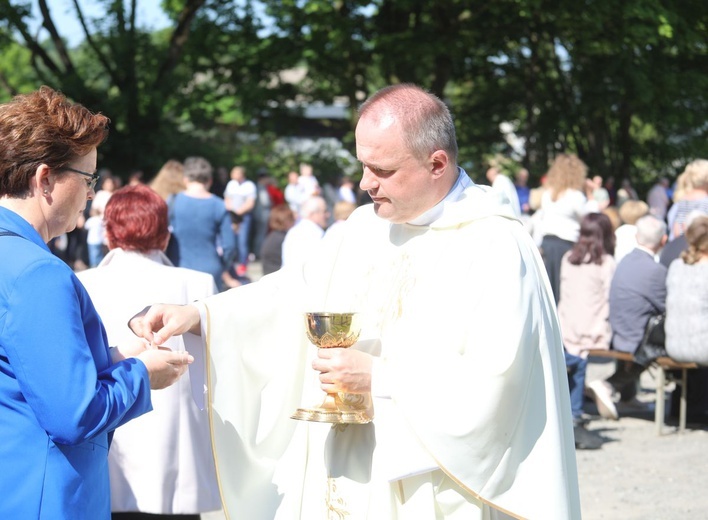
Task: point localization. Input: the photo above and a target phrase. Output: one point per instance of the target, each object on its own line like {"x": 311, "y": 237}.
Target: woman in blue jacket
{"x": 62, "y": 389}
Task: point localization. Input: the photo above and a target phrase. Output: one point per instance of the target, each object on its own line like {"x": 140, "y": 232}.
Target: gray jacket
{"x": 637, "y": 292}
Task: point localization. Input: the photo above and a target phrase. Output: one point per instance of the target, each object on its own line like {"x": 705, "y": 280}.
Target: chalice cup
{"x": 330, "y": 330}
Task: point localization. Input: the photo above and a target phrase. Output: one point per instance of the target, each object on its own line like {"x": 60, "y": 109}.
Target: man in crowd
{"x": 459, "y": 359}
{"x": 658, "y": 198}
{"x": 240, "y": 198}
{"x": 637, "y": 292}
{"x": 305, "y": 235}
{"x": 521, "y": 184}
{"x": 293, "y": 192}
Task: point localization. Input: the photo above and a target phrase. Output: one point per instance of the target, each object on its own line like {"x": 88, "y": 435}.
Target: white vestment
{"x": 470, "y": 404}
{"x": 161, "y": 462}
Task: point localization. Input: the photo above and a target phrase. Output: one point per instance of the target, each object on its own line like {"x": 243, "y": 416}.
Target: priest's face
{"x": 401, "y": 185}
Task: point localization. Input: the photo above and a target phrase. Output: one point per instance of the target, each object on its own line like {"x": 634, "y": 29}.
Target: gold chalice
{"x": 329, "y": 330}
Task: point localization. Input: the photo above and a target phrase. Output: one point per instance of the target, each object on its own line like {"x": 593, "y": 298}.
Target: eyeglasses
{"x": 94, "y": 176}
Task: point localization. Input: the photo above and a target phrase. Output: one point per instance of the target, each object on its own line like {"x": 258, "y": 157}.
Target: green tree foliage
{"x": 620, "y": 83}
{"x": 120, "y": 69}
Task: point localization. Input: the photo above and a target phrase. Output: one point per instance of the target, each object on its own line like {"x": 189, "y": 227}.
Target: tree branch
{"x": 94, "y": 46}
{"x": 32, "y": 45}
{"x": 48, "y": 23}
{"x": 179, "y": 38}
{"x": 38, "y": 70}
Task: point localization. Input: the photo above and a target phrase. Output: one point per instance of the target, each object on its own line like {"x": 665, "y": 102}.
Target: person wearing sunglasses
{"x": 63, "y": 390}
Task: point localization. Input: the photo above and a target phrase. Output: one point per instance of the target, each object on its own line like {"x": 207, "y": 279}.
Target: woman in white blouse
{"x": 564, "y": 205}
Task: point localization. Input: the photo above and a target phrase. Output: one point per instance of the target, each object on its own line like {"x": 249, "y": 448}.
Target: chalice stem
{"x": 332, "y": 403}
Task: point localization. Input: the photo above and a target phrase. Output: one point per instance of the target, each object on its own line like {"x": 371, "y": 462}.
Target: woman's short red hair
{"x": 136, "y": 219}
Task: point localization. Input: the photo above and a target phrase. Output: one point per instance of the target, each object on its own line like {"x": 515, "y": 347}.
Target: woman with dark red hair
{"x": 62, "y": 390}
{"x": 146, "y": 475}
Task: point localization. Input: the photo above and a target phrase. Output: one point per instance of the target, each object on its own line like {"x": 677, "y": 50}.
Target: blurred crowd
{"x": 614, "y": 259}
{"x": 221, "y": 220}
{"x": 617, "y": 264}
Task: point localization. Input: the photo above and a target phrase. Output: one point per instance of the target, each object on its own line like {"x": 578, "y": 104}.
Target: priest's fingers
{"x": 330, "y": 388}
{"x": 158, "y": 323}
{"x": 147, "y": 321}
{"x": 176, "y": 319}
{"x": 139, "y": 326}
{"x": 347, "y": 369}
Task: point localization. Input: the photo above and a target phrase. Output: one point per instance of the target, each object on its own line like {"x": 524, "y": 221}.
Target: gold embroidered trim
{"x": 210, "y": 408}
{"x": 336, "y": 505}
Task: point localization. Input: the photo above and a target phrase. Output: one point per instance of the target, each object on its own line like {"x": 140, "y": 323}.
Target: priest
{"x": 459, "y": 360}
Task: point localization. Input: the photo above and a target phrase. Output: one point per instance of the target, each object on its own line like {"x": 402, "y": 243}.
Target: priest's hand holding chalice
{"x": 334, "y": 330}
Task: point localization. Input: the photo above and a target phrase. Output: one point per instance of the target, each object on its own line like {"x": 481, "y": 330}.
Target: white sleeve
{"x": 196, "y": 346}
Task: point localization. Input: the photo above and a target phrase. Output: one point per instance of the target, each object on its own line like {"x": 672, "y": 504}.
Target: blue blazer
{"x": 637, "y": 292}
{"x": 60, "y": 394}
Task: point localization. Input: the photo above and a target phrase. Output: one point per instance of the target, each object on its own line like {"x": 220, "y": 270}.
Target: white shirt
{"x": 346, "y": 194}
{"x": 300, "y": 241}
{"x": 293, "y": 196}
{"x": 239, "y": 193}
{"x": 94, "y": 230}
{"x": 625, "y": 241}
{"x": 160, "y": 462}
{"x": 561, "y": 217}
{"x": 309, "y": 186}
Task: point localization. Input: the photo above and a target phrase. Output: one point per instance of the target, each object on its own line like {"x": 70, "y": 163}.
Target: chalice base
{"x": 332, "y": 410}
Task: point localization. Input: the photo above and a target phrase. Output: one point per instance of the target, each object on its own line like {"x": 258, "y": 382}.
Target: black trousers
{"x": 552, "y": 250}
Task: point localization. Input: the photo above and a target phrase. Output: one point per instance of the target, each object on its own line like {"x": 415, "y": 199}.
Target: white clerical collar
{"x": 648, "y": 251}
{"x": 430, "y": 216}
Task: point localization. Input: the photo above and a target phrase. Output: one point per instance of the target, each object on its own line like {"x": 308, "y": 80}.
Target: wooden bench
{"x": 664, "y": 363}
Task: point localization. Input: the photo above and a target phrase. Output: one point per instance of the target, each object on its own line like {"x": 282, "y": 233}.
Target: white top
{"x": 94, "y": 230}
{"x": 346, "y": 194}
{"x": 561, "y": 217}
{"x": 293, "y": 196}
{"x": 309, "y": 186}
{"x": 300, "y": 241}
{"x": 160, "y": 462}
{"x": 100, "y": 200}
{"x": 239, "y": 193}
{"x": 625, "y": 241}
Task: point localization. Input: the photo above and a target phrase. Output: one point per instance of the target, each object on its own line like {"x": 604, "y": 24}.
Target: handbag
{"x": 653, "y": 342}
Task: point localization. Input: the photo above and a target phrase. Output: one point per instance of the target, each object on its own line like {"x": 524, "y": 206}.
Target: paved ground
{"x": 638, "y": 474}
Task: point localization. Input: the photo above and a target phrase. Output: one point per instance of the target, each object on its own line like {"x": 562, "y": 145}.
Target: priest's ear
{"x": 439, "y": 162}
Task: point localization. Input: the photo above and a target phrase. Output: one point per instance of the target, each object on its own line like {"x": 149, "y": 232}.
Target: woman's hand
{"x": 165, "y": 366}
{"x": 129, "y": 349}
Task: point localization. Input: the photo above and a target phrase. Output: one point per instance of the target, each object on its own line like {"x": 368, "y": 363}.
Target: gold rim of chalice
{"x": 332, "y": 329}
